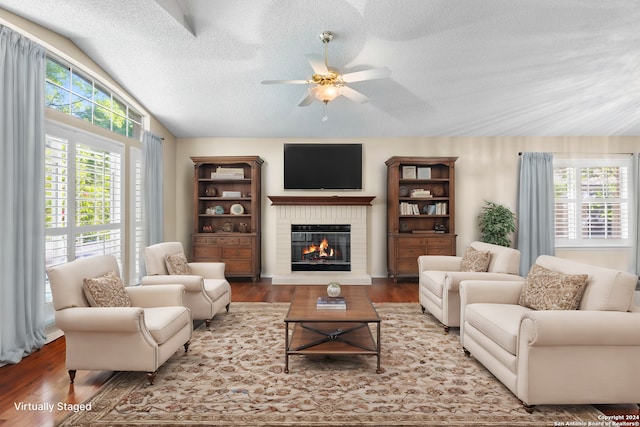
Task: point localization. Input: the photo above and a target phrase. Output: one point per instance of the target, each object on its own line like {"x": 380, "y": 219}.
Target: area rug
{"x": 233, "y": 375}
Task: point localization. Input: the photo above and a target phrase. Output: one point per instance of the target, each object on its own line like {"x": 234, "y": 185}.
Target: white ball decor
{"x": 333, "y": 289}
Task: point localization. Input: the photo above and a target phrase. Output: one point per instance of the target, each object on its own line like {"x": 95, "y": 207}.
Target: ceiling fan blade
{"x": 285, "y": 82}
{"x": 353, "y": 95}
{"x": 317, "y": 63}
{"x": 375, "y": 73}
{"x": 308, "y": 99}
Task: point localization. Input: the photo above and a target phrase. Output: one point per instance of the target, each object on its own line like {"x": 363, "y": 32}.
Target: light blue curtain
{"x": 635, "y": 187}
{"x": 536, "y": 234}
{"x": 22, "y": 260}
{"x": 152, "y": 147}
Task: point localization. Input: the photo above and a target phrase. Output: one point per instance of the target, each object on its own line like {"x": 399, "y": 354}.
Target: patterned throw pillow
{"x": 545, "y": 289}
{"x": 177, "y": 264}
{"x": 106, "y": 291}
{"x": 475, "y": 260}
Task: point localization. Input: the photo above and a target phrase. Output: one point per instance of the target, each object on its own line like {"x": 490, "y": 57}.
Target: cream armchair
{"x": 557, "y": 356}
{"x": 136, "y": 338}
{"x": 440, "y": 276}
{"x": 207, "y": 290}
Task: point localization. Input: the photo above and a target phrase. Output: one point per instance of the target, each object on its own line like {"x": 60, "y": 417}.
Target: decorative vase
{"x": 333, "y": 289}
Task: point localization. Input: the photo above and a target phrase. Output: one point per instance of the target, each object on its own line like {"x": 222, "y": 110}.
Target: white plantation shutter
{"x": 84, "y": 202}
{"x": 592, "y": 206}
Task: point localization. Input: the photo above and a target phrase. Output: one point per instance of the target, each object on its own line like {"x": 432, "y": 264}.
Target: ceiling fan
{"x": 327, "y": 83}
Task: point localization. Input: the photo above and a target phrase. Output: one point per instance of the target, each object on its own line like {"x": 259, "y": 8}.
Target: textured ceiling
{"x": 464, "y": 67}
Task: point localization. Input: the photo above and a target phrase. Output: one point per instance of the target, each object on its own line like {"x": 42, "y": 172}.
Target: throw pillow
{"x": 106, "y": 291}
{"x": 475, "y": 260}
{"x": 545, "y": 289}
{"x": 177, "y": 264}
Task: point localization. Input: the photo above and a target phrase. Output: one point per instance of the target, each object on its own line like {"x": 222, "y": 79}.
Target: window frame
{"x": 626, "y": 198}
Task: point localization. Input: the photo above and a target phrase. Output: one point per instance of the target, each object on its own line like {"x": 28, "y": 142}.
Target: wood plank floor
{"x": 42, "y": 378}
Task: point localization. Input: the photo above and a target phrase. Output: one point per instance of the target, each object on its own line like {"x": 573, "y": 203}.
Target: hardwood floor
{"x": 42, "y": 378}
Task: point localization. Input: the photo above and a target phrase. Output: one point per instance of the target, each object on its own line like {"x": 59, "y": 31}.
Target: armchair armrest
{"x": 489, "y": 291}
{"x": 208, "y": 270}
{"x": 453, "y": 278}
{"x": 438, "y": 263}
{"x": 580, "y": 328}
{"x": 191, "y": 282}
{"x": 156, "y": 296}
{"x": 100, "y": 319}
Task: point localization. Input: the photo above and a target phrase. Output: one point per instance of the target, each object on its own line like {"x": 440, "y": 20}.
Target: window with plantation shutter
{"x": 83, "y": 196}
{"x": 592, "y": 202}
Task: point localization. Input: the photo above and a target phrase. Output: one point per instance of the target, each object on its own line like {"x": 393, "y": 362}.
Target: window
{"x": 84, "y": 201}
{"x": 72, "y": 92}
{"x": 592, "y": 206}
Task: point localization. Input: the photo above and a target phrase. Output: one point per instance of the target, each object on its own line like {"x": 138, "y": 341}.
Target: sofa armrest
{"x": 490, "y": 291}
{"x": 453, "y": 278}
{"x": 190, "y": 282}
{"x": 438, "y": 263}
{"x": 580, "y": 328}
{"x": 156, "y": 295}
{"x": 100, "y": 319}
{"x": 208, "y": 270}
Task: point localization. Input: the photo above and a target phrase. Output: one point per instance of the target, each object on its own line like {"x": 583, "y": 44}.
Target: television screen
{"x": 323, "y": 166}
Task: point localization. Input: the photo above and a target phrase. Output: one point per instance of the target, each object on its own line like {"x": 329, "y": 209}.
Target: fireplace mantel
{"x": 321, "y": 200}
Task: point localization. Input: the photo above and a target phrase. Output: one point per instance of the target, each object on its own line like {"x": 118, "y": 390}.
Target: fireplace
{"x": 320, "y": 247}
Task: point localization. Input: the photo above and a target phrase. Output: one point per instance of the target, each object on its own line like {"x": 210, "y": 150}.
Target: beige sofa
{"x": 440, "y": 276}
{"x": 136, "y": 338}
{"x": 207, "y": 290}
{"x": 586, "y": 356}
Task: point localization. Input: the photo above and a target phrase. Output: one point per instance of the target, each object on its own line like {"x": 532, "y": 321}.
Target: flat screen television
{"x": 323, "y": 166}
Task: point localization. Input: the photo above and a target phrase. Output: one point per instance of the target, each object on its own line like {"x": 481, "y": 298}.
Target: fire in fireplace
{"x": 321, "y": 247}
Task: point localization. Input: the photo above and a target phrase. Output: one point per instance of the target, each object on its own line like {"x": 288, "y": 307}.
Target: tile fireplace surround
{"x": 350, "y": 210}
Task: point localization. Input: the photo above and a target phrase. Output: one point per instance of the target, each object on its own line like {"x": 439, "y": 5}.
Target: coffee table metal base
{"x": 331, "y": 338}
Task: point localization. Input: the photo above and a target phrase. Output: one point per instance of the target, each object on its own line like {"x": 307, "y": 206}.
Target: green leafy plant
{"x": 496, "y": 222}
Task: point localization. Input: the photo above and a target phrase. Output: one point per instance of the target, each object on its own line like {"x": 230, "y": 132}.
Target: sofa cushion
{"x": 475, "y": 260}
{"x": 545, "y": 289}
{"x": 177, "y": 264}
{"x": 165, "y": 322}
{"x": 105, "y": 291}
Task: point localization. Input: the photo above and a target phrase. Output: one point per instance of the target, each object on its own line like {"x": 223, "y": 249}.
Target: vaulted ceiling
{"x": 463, "y": 67}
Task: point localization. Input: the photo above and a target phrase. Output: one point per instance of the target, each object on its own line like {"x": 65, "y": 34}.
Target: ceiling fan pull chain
{"x": 325, "y": 117}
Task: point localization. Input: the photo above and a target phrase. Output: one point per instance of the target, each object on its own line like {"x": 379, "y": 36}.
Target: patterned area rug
{"x": 233, "y": 376}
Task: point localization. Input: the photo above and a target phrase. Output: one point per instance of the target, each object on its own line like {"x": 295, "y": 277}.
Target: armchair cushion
{"x": 475, "y": 260}
{"x": 105, "y": 291}
{"x": 552, "y": 290}
{"x": 177, "y": 264}
{"x": 165, "y": 322}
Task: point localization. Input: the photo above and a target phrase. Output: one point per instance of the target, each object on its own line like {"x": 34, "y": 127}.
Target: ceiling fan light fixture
{"x": 325, "y": 93}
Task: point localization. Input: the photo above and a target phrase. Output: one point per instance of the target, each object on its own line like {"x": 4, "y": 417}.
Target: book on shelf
{"x": 335, "y": 303}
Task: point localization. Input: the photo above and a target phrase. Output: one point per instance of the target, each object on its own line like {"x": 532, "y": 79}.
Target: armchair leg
{"x": 528, "y": 408}
{"x": 466, "y": 352}
{"x": 151, "y": 376}
{"x": 72, "y": 375}
{"x": 207, "y": 323}
{"x": 227, "y": 307}
{"x": 186, "y": 346}
{"x": 446, "y": 329}
{"x": 423, "y": 309}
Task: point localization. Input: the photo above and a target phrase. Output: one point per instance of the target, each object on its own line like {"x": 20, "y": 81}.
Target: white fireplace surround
{"x": 329, "y": 212}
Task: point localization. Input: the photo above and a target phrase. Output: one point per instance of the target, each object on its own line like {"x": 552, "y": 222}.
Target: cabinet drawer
{"x": 440, "y": 250}
{"x": 411, "y": 251}
{"x": 238, "y": 266}
{"x": 201, "y": 251}
{"x": 408, "y": 266}
{"x": 237, "y": 252}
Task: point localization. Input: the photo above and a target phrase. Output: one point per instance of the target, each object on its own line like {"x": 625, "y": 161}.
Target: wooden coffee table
{"x": 331, "y": 331}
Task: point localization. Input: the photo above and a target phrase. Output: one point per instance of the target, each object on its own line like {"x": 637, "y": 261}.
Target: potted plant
{"x": 496, "y": 222}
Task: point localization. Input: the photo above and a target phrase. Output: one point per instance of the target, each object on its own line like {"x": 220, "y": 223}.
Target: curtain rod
{"x": 573, "y": 152}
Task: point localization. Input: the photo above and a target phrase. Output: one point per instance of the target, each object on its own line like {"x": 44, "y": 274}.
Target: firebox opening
{"x": 321, "y": 247}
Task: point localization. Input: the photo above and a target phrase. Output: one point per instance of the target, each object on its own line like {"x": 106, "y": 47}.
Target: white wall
{"x": 487, "y": 169}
